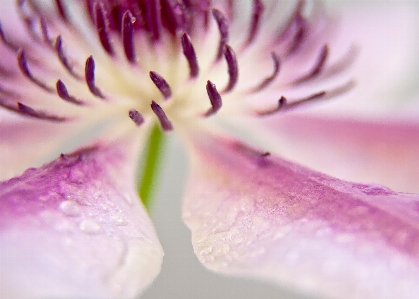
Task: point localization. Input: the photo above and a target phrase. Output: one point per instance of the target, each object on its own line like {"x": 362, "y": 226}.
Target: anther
{"x": 127, "y": 36}
{"x": 223, "y": 29}
{"x": 89, "y": 73}
{"x": 63, "y": 94}
{"x": 64, "y": 59}
{"x": 6, "y": 42}
{"x": 164, "y": 121}
{"x": 299, "y": 36}
{"x": 102, "y": 27}
{"x": 318, "y": 67}
{"x": 23, "y": 66}
{"x": 277, "y": 64}
{"x": 153, "y": 19}
{"x": 233, "y": 68}
{"x": 281, "y": 104}
{"x": 189, "y": 52}
{"x": 215, "y": 99}
{"x": 136, "y": 117}
{"x": 260, "y": 158}
{"x": 44, "y": 29}
{"x": 28, "y": 111}
{"x": 161, "y": 84}
{"x": 255, "y": 23}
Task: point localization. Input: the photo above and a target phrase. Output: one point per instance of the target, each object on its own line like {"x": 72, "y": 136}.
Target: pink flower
{"x": 234, "y": 79}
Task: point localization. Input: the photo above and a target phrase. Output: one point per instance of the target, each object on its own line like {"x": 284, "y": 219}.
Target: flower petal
{"x": 384, "y": 152}
{"x": 260, "y": 216}
{"x": 74, "y": 228}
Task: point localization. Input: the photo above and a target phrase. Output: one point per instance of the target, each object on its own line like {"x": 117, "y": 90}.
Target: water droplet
{"x": 90, "y": 226}
{"x": 127, "y": 198}
{"x": 70, "y": 208}
{"x": 119, "y": 220}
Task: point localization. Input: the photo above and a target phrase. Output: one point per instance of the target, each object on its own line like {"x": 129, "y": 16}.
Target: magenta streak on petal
{"x": 318, "y": 67}
{"x": 6, "y": 42}
{"x": 127, "y": 36}
{"x": 23, "y": 66}
{"x": 189, "y": 52}
{"x": 102, "y": 27}
{"x": 287, "y": 223}
{"x": 61, "y": 10}
{"x": 223, "y": 29}
{"x": 64, "y": 59}
{"x": 28, "y": 111}
{"x": 277, "y": 66}
{"x": 161, "y": 84}
{"x": 164, "y": 121}
{"x": 233, "y": 68}
{"x": 89, "y": 72}
{"x": 215, "y": 99}
{"x": 257, "y": 11}
{"x": 63, "y": 94}
{"x": 136, "y": 117}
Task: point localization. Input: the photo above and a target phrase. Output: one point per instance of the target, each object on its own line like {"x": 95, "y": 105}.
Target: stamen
{"x": 258, "y": 9}
{"x": 89, "y": 73}
{"x": 28, "y": 111}
{"x": 153, "y": 20}
{"x": 189, "y": 52}
{"x": 44, "y": 29}
{"x": 299, "y": 36}
{"x": 223, "y": 29}
{"x": 215, "y": 99}
{"x": 23, "y": 65}
{"x": 64, "y": 59}
{"x": 277, "y": 63}
{"x": 102, "y": 27}
{"x": 233, "y": 68}
{"x": 127, "y": 36}
{"x": 61, "y": 10}
{"x": 173, "y": 15}
{"x": 161, "y": 84}
{"x": 318, "y": 67}
{"x": 63, "y": 94}
{"x": 259, "y": 157}
{"x": 281, "y": 103}
{"x": 164, "y": 121}
{"x": 136, "y": 117}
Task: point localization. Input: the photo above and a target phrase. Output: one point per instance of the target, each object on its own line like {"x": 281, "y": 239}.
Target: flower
{"x": 91, "y": 79}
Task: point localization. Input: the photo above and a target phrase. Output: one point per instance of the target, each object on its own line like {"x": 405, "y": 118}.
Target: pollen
{"x": 167, "y": 62}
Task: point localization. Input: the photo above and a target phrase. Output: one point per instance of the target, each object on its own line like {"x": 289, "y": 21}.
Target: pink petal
{"x": 75, "y": 228}
{"x": 384, "y": 152}
{"x": 261, "y": 216}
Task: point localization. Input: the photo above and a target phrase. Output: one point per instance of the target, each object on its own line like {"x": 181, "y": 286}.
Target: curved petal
{"x": 383, "y": 152}
{"x": 75, "y": 228}
{"x": 260, "y": 216}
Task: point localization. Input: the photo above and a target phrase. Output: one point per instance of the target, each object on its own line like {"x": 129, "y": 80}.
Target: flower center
{"x": 167, "y": 61}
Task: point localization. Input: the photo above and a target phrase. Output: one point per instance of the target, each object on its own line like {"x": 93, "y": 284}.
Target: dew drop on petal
{"x": 119, "y": 220}
{"x": 70, "y": 208}
{"x": 90, "y": 226}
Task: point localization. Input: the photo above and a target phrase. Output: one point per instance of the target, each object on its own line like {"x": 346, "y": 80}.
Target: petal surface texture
{"x": 75, "y": 228}
{"x": 261, "y": 216}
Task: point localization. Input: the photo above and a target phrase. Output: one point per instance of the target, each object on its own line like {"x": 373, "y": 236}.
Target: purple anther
{"x": 89, "y": 73}
{"x": 257, "y": 11}
{"x": 164, "y": 121}
{"x": 215, "y": 99}
{"x": 23, "y": 66}
{"x": 318, "y": 66}
{"x": 153, "y": 20}
{"x": 298, "y": 38}
{"x": 127, "y": 36}
{"x": 233, "y": 68}
{"x": 299, "y": 102}
{"x": 173, "y": 15}
{"x": 64, "y": 59}
{"x": 161, "y": 84}
{"x": 282, "y": 102}
{"x": 61, "y": 10}
{"x": 44, "y": 29}
{"x": 189, "y": 52}
{"x": 136, "y": 117}
{"x": 277, "y": 66}
{"x": 28, "y": 111}
{"x": 63, "y": 94}
{"x": 223, "y": 29}
{"x": 102, "y": 27}
{"x": 260, "y": 158}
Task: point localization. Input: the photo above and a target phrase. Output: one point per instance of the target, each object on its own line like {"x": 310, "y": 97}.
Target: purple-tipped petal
{"x": 74, "y": 228}
{"x": 256, "y": 215}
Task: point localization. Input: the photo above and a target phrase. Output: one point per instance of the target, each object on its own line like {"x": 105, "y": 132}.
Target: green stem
{"x": 147, "y": 182}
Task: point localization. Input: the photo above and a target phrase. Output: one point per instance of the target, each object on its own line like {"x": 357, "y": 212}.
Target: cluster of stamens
{"x": 121, "y": 25}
